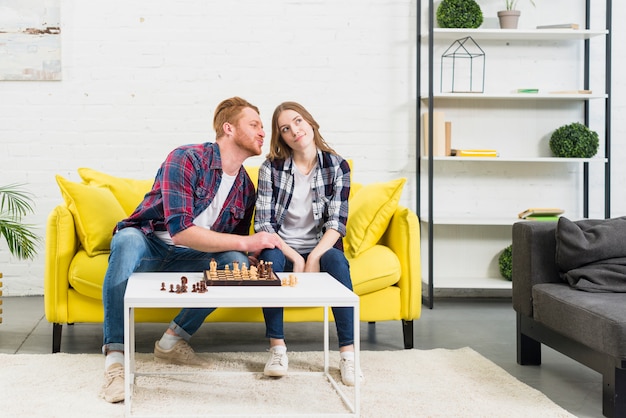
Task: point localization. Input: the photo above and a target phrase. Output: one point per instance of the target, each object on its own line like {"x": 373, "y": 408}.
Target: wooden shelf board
{"x": 472, "y": 283}
{"x": 520, "y": 159}
{"x": 517, "y": 34}
{"x": 513, "y": 96}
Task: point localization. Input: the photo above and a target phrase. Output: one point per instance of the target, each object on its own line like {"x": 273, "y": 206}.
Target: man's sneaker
{"x": 277, "y": 364}
{"x": 113, "y": 389}
{"x": 347, "y": 372}
{"x": 181, "y": 354}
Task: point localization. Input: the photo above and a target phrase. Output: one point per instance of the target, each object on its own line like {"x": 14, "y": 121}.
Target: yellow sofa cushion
{"x": 129, "y": 192}
{"x": 96, "y": 211}
{"x": 86, "y": 273}
{"x": 369, "y": 213}
{"x": 377, "y": 268}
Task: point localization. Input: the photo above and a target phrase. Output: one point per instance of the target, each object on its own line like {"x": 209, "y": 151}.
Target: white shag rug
{"x": 407, "y": 383}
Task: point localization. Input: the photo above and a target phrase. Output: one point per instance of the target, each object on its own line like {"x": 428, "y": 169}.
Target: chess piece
{"x": 172, "y": 288}
{"x": 163, "y": 286}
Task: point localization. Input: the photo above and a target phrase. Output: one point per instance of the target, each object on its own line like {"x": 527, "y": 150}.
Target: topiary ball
{"x": 459, "y": 14}
{"x": 574, "y": 141}
{"x": 505, "y": 262}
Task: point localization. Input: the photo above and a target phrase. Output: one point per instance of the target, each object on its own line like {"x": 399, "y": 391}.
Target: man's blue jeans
{"x": 333, "y": 262}
{"x": 133, "y": 251}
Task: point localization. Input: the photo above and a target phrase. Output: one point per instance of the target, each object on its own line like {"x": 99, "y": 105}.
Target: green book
{"x": 542, "y": 218}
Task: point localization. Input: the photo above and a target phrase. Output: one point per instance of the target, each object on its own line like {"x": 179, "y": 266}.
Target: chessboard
{"x": 261, "y": 275}
{"x": 225, "y": 278}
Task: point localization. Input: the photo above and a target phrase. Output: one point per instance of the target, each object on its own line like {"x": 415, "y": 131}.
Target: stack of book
{"x": 541, "y": 214}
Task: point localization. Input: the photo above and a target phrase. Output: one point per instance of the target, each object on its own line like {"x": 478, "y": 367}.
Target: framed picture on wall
{"x": 30, "y": 40}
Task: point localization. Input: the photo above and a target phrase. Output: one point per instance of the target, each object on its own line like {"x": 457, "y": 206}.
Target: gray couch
{"x": 587, "y": 325}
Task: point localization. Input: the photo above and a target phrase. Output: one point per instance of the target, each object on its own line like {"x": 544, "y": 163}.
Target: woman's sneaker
{"x": 278, "y": 363}
{"x": 346, "y": 366}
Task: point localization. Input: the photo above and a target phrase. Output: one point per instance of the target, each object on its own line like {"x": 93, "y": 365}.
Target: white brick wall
{"x": 142, "y": 77}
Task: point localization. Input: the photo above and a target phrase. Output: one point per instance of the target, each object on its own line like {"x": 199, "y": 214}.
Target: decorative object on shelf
{"x": 509, "y": 18}
{"x": 534, "y": 213}
{"x": 14, "y": 205}
{"x": 459, "y": 14}
{"x": 505, "y": 262}
{"x": 492, "y": 153}
{"x": 458, "y": 65}
{"x": 574, "y": 141}
{"x": 439, "y": 134}
{"x": 560, "y": 26}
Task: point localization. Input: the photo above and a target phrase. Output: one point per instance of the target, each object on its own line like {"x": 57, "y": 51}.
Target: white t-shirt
{"x": 208, "y": 216}
{"x": 299, "y": 228}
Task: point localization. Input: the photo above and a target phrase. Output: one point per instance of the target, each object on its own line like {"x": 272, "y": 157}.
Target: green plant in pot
{"x": 510, "y": 4}
{"x": 574, "y": 141}
{"x": 464, "y": 14}
{"x": 505, "y": 262}
{"x": 510, "y": 16}
{"x": 15, "y": 203}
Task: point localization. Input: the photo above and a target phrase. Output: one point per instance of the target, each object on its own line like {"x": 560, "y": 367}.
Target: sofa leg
{"x": 407, "y": 331}
{"x": 56, "y": 337}
{"x": 614, "y": 392}
{"x": 528, "y": 349}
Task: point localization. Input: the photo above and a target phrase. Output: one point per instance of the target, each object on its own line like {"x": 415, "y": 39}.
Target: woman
{"x": 303, "y": 198}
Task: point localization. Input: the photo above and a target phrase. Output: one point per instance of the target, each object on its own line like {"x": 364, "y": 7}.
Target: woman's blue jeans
{"x": 333, "y": 262}
{"x": 133, "y": 251}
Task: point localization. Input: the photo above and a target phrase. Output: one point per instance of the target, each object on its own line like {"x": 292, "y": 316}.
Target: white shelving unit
{"x": 467, "y": 205}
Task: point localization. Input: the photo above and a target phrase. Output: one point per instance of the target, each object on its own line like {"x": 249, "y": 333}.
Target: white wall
{"x": 141, "y": 77}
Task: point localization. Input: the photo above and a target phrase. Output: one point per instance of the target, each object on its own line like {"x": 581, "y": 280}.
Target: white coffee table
{"x": 312, "y": 290}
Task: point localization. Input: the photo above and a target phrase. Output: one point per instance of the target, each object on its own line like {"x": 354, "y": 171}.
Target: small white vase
{"x": 508, "y": 19}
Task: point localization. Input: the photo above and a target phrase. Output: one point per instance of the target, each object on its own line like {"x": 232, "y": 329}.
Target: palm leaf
{"x": 20, "y": 238}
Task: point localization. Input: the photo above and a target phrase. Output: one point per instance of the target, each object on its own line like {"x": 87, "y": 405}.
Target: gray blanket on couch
{"x": 591, "y": 254}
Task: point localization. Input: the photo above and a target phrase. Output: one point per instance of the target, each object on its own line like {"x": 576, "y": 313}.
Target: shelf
{"x": 519, "y": 159}
{"x": 517, "y": 34}
{"x": 513, "y": 96}
{"x": 474, "y": 283}
{"x": 466, "y": 221}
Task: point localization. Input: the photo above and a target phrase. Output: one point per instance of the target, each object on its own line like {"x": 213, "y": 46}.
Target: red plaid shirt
{"x": 184, "y": 187}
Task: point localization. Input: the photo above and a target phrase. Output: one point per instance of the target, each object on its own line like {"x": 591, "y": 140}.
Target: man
{"x": 200, "y": 207}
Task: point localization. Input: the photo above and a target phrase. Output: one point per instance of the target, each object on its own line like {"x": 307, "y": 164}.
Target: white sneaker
{"x": 346, "y": 366}
{"x": 277, "y": 364}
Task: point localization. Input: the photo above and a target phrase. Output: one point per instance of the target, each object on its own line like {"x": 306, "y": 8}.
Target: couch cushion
{"x": 376, "y": 268}
{"x": 129, "y": 192}
{"x": 597, "y": 320}
{"x": 86, "y": 273}
{"x": 369, "y": 214}
{"x": 96, "y": 212}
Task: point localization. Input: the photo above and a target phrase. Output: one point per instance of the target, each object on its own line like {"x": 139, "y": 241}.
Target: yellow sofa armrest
{"x": 403, "y": 237}
{"x": 61, "y": 246}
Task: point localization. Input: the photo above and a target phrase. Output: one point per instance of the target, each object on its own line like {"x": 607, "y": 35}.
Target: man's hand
{"x": 259, "y": 241}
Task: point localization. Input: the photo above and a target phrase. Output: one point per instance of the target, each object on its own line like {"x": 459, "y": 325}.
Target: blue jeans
{"x": 133, "y": 251}
{"x": 333, "y": 262}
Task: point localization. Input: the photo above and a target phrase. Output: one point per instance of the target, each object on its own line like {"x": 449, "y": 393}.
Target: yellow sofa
{"x": 382, "y": 245}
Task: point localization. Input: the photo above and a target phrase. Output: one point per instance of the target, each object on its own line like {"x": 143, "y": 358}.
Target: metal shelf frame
{"x": 584, "y": 35}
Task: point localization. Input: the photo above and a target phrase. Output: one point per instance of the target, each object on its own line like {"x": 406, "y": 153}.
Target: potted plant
{"x": 505, "y": 262}
{"x": 574, "y": 141}
{"x": 459, "y": 14}
{"x": 510, "y": 16}
{"x": 14, "y": 205}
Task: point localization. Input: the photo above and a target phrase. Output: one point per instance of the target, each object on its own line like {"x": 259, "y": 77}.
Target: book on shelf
{"x": 439, "y": 134}
{"x": 528, "y": 90}
{"x": 474, "y": 152}
{"x": 540, "y": 212}
{"x": 571, "y": 92}
{"x": 542, "y": 218}
{"x": 560, "y": 26}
